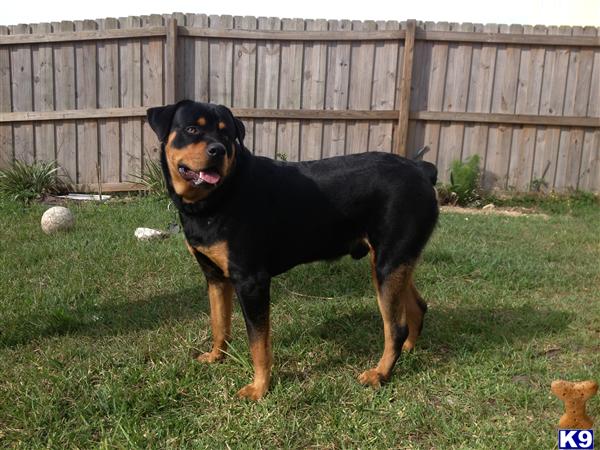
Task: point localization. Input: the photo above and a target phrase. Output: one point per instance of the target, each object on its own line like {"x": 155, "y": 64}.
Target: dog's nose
{"x": 215, "y": 149}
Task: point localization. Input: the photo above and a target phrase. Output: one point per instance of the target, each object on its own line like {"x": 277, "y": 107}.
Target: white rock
{"x": 57, "y": 218}
{"x": 145, "y": 234}
{"x": 489, "y": 206}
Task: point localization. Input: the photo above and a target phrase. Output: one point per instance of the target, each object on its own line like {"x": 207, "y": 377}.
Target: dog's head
{"x": 199, "y": 146}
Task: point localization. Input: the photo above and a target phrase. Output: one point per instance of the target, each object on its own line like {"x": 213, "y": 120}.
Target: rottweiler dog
{"x": 247, "y": 219}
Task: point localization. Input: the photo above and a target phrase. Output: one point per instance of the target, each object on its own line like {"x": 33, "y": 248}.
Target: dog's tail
{"x": 428, "y": 169}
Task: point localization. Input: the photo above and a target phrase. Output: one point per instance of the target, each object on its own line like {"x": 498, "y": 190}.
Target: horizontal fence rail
{"x": 526, "y": 99}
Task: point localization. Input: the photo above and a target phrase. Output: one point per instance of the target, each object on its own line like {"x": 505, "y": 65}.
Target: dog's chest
{"x": 206, "y": 238}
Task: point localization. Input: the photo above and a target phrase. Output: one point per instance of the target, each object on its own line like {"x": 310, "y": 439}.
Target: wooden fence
{"x": 526, "y": 99}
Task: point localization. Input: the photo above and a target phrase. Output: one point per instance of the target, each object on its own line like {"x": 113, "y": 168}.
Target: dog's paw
{"x": 210, "y": 357}
{"x": 252, "y": 392}
{"x": 408, "y": 346}
{"x": 371, "y": 378}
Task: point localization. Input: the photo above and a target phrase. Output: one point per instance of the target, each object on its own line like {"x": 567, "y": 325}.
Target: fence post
{"x": 171, "y": 61}
{"x": 405, "y": 82}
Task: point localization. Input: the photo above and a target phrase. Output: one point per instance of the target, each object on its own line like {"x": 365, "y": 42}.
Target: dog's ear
{"x": 160, "y": 119}
{"x": 240, "y": 129}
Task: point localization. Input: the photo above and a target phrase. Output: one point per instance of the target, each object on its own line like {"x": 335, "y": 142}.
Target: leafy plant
{"x": 26, "y": 182}
{"x": 445, "y": 194}
{"x": 464, "y": 180}
{"x": 151, "y": 178}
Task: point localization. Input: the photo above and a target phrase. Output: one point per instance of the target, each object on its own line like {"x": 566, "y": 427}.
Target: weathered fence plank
{"x": 589, "y": 178}
{"x": 22, "y": 96}
{"x": 504, "y": 100}
{"x": 43, "y": 94}
{"x": 575, "y": 104}
{"x": 384, "y": 88}
{"x": 528, "y": 102}
{"x": 552, "y": 96}
{"x": 404, "y": 90}
{"x": 67, "y": 96}
{"x": 220, "y": 70}
{"x": 359, "y": 95}
{"x": 108, "y": 97}
{"x": 336, "y": 90}
{"x": 313, "y": 92}
{"x": 196, "y": 61}
{"x": 86, "y": 152}
{"x": 152, "y": 83}
{"x": 244, "y": 74}
{"x": 130, "y": 65}
{"x": 267, "y": 88}
{"x": 6, "y": 133}
{"x": 480, "y": 95}
{"x": 456, "y": 93}
{"x": 290, "y": 91}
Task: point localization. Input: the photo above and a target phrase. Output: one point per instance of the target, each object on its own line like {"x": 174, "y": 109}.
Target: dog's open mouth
{"x": 196, "y": 178}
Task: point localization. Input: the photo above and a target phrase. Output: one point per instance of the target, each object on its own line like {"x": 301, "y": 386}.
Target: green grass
{"x": 96, "y": 331}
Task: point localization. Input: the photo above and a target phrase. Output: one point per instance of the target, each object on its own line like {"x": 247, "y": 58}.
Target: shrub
{"x": 464, "y": 180}
{"x": 26, "y": 182}
{"x": 152, "y": 179}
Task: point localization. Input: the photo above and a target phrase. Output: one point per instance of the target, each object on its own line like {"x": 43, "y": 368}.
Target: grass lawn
{"x": 96, "y": 331}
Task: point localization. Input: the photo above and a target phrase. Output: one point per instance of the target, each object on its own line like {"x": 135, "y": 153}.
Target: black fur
{"x": 275, "y": 215}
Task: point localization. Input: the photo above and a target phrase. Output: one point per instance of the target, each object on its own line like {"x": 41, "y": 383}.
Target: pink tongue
{"x": 210, "y": 177}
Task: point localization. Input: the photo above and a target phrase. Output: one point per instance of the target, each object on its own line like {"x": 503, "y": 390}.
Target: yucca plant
{"x": 151, "y": 179}
{"x": 26, "y": 182}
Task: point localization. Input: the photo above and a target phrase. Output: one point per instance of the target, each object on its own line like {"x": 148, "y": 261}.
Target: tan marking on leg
{"x": 262, "y": 359}
{"x": 392, "y": 298}
{"x": 218, "y": 253}
{"x": 220, "y": 295}
{"x": 414, "y": 316}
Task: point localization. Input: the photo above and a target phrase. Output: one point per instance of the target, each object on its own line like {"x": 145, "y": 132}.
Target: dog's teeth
{"x": 181, "y": 170}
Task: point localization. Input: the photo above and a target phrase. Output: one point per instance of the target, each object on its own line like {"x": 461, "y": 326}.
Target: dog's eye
{"x": 192, "y": 130}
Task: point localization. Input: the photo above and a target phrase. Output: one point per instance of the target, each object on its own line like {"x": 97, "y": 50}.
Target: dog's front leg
{"x": 220, "y": 294}
{"x": 254, "y": 297}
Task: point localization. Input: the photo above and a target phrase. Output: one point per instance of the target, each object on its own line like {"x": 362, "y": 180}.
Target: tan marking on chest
{"x": 218, "y": 253}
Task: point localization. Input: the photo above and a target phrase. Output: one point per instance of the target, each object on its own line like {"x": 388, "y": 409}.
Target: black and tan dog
{"x": 247, "y": 219}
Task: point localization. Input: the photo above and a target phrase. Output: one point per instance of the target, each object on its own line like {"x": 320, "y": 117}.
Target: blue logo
{"x": 575, "y": 439}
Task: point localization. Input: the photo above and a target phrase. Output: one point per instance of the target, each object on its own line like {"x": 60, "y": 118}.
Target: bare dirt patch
{"x": 496, "y": 211}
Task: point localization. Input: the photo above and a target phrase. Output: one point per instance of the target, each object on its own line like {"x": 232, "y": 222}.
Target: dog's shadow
{"x": 107, "y": 319}
{"x": 447, "y": 333}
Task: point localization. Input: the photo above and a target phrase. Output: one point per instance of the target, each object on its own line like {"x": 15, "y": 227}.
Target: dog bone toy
{"x": 574, "y": 396}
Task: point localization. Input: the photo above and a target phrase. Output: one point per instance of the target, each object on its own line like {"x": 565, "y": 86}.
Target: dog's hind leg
{"x": 415, "y": 312}
{"x": 395, "y": 299}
